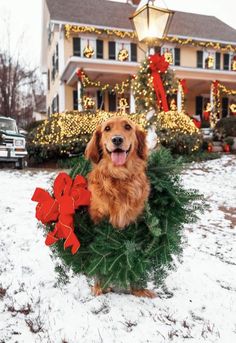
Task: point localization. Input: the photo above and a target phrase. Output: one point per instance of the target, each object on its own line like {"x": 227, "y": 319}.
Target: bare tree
{"x": 19, "y": 84}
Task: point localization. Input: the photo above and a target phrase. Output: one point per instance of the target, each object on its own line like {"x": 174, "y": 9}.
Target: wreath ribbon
{"x": 159, "y": 65}
{"x": 68, "y": 196}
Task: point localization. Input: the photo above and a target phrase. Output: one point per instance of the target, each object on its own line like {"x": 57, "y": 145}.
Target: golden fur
{"x": 119, "y": 192}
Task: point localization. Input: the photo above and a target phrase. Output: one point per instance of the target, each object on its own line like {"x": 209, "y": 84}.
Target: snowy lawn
{"x": 197, "y": 303}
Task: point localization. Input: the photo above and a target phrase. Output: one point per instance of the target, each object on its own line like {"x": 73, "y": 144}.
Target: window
{"x": 218, "y": 57}
{"x": 226, "y": 61}
{"x": 225, "y": 106}
{"x": 177, "y": 57}
{"x": 48, "y": 79}
{"x": 133, "y": 48}
{"x": 75, "y": 100}
{"x": 57, "y": 58}
{"x": 157, "y": 49}
{"x": 55, "y": 104}
{"x": 99, "y": 45}
{"x": 76, "y": 46}
{"x": 100, "y": 101}
{"x": 199, "y": 59}
{"x": 112, "y": 50}
{"x": 53, "y": 68}
{"x": 112, "y": 102}
{"x": 199, "y": 105}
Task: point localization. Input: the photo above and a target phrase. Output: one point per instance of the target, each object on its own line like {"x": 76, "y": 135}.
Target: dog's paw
{"x": 143, "y": 293}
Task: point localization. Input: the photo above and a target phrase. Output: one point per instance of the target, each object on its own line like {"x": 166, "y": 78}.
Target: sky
{"x": 25, "y": 17}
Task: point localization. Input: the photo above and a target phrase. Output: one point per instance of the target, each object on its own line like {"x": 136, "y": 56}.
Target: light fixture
{"x": 151, "y": 22}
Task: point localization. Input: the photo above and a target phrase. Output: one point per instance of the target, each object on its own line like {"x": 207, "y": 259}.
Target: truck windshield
{"x": 8, "y": 125}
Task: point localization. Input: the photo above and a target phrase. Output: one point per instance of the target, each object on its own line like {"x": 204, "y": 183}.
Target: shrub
{"x": 226, "y": 127}
{"x": 178, "y": 132}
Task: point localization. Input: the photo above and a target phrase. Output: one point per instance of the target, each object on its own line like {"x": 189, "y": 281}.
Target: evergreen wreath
{"x": 144, "y": 250}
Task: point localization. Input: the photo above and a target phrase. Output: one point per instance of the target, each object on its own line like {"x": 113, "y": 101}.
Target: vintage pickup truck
{"x": 12, "y": 143}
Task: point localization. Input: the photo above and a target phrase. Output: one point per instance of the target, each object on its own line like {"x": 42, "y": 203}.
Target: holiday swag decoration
{"x": 234, "y": 63}
{"x": 123, "y": 54}
{"x": 139, "y": 253}
{"x": 210, "y": 61}
{"x": 58, "y": 210}
{"x": 169, "y": 57}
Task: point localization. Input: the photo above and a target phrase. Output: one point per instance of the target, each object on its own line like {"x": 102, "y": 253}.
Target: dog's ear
{"x": 142, "y": 149}
{"x": 93, "y": 150}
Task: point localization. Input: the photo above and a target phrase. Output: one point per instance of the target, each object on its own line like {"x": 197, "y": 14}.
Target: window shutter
{"x": 99, "y": 45}
{"x": 76, "y": 46}
{"x": 199, "y": 59}
{"x": 199, "y": 105}
{"x": 53, "y": 67}
{"x": 157, "y": 49}
{"x": 75, "y": 100}
{"x": 226, "y": 61}
{"x": 177, "y": 56}
{"x": 57, "y": 103}
{"x": 218, "y": 57}
{"x": 225, "y": 107}
{"x": 57, "y": 58}
{"x": 112, "y": 50}
{"x": 133, "y": 48}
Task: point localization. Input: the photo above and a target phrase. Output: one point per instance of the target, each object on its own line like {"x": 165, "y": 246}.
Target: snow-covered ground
{"x": 197, "y": 304}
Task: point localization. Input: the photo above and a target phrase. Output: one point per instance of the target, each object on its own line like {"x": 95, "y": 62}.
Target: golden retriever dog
{"x": 118, "y": 181}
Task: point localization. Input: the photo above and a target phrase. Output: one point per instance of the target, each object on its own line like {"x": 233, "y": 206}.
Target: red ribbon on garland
{"x": 69, "y": 195}
{"x": 159, "y": 65}
{"x": 183, "y": 83}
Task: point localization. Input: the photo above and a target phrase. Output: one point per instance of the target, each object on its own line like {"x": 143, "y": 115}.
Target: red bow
{"x": 216, "y": 87}
{"x": 69, "y": 195}
{"x": 80, "y": 74}
{"x": 159, "y": 65}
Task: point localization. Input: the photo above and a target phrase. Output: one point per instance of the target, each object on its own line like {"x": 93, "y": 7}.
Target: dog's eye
{"x": 128, "y": 127}
{"x": 107, "y": 128}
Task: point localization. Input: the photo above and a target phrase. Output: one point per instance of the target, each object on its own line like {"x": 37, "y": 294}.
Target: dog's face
{"x": 117, "y": 139}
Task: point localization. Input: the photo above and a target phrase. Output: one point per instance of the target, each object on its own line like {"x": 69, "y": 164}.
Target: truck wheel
{"x": 20, "y": 164}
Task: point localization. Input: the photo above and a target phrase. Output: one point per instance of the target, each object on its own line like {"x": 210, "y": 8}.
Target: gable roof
{"x": 112, "y": 14}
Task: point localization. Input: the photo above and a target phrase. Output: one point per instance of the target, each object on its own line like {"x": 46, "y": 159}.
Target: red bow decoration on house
{"x": 215, "y": 87}
{"x": 69, "y": 195}
{"x": 183, "y": 83}
{"x": 80, "y": 74}
{"x": 158, "y": 65}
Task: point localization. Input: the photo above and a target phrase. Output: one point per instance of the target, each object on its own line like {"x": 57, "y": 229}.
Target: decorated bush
{"x": 226, "y": 127}
{"x": 126, "y": 258}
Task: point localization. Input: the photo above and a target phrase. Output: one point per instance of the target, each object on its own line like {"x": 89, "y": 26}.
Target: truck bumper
{"x": 11, "y": 155}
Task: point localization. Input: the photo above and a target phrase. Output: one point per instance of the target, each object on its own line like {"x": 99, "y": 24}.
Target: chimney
{"x": 136, "y": 2}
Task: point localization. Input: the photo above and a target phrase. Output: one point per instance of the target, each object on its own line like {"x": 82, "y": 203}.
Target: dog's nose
{"x": 117, "y": 140}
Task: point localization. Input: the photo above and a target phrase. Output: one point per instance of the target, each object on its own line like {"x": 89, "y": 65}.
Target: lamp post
{"x": 151, "y": 22}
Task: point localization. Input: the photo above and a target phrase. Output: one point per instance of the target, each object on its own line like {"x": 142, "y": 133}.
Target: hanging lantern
{"x": 88, "y": 51}
{"x": 151, "y": 22}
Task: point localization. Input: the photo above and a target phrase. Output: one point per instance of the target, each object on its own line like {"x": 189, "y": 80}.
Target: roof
{"x": 92, "y": 12}
{"x": 7, "y": 118}
{"x": 201, "y": 26}
{"x": 112, "y": 14}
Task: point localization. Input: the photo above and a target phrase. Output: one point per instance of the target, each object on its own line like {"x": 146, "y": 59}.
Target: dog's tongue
{"x": 118, "y": 158}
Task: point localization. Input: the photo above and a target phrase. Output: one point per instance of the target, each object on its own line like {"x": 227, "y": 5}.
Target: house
{"x": 95, "y": 37}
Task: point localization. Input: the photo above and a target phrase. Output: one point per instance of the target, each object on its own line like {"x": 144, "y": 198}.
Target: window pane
{"x": 100, "y": 100}
{"x": 218, "y": 56}
{"x": 112, "y": 102}
{"x": 226, "y": 61}
{"x": 199, "y": 59}
{"x": 76, "y": 46}
{"x": 177, "y": 56}
{"x": 225, "y": 106}
{"x": 75, "y": 100}
{"x": 199, "y": 104}
{"x": 99, "y": 44}
{"x": 112, "y": 50}
{"x": 133, "y": 52}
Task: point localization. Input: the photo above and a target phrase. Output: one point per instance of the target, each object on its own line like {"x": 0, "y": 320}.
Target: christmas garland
{"x": 143, "y": 251}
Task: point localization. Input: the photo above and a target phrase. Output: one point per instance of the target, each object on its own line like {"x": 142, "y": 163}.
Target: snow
{"x": 197, "y": 303}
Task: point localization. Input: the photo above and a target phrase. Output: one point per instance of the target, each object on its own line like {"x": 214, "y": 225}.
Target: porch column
{"x": 132, "y": 102}
{"x": 79, "y": 96}
{"x": 179, "y": 98}
{"x": 212, "y": 97}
